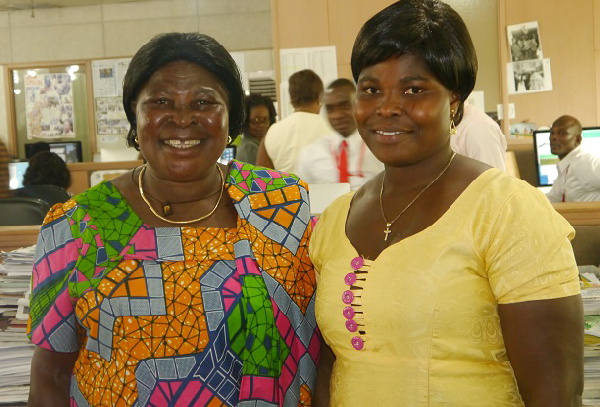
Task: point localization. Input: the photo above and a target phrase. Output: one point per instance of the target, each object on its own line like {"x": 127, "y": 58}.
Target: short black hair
{"x": 429, "y": 29}
{"x": 256, "y": 99}
{"x": 47, "y": 168}
{"x": 192, "y": 47}
{"x": 342, "y": 83}
{"x": 305, "y": 87}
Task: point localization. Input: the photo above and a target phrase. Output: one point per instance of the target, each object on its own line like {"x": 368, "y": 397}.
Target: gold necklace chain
{"x": 388, "y": 225}
{"x": 183, "y": 222}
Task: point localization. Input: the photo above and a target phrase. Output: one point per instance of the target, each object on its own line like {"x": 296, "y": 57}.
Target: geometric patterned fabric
{"x": 179, "y": 315}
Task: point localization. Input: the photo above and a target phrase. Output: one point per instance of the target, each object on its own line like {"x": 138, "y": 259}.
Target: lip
{"x": 390, "y": 136}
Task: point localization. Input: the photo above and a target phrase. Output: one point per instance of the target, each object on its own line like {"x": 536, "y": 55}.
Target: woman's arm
{"x": 262, "y": 157}
{"x": 544, "y": 341}
{"x": 324, "y": 370}
{"x": 50, "y": 378}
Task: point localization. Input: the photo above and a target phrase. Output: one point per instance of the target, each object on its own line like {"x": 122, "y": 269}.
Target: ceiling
{"x": 12, "y": 5}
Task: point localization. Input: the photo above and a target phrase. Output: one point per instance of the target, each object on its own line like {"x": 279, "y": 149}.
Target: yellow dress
{"x": 428, "y": 304}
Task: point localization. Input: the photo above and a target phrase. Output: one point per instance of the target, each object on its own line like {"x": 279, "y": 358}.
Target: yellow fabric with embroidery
{"x": 432, "y": 331}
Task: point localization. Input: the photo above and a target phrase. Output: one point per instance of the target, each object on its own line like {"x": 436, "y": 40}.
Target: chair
{"x": 51, "y": 194}
{"x": 22, "y": 211}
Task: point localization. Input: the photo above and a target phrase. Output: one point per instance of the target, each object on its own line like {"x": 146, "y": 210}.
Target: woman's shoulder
{"x": 254, "y": 179}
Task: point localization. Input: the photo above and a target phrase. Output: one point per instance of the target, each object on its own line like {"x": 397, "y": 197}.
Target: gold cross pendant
{"x": 387, "y": 231}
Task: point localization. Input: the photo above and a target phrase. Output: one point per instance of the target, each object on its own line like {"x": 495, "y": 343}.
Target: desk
{"x": 579, "y": 213}
{"x": 14, "y": 237}
{"x": 80, "y": 172}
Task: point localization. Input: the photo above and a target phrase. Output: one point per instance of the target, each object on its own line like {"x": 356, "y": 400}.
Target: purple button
{"x": 348, "y": 312}
{"x": 348, "y": 297}
{"x": 357, "y": 263}
{"x": 357, "y": 343}
{"x": 351, "y": 325}
{"x": 350, "y": 278}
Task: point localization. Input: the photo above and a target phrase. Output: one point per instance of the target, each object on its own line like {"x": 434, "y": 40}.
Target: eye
{"x": 370, "y": 90}
{"x": 413, "y": 90}
{"x": 161, "y": 101}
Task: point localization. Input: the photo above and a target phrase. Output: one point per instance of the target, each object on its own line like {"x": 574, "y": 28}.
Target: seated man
{"x": 578, "y": 171}
{"x": 341, "y": 156}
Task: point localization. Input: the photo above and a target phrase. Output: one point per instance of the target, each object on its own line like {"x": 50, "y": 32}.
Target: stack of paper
{"x": 590, "y": 291}
{"x": 15, "y": 350}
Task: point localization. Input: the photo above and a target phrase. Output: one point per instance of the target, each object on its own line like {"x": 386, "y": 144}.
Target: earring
{"x": 229, "y": 140}
{"x": 136, "y": 140}
{"x": 452, "y": 125}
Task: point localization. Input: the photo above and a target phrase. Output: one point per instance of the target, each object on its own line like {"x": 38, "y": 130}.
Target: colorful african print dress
{"x": 179, "y": 315}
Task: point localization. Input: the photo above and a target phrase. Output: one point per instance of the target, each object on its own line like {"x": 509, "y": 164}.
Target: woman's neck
{"x": 314, "y": 107}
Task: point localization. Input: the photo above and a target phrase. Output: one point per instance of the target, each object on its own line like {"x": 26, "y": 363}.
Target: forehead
{"x": 184, "y": 73}
{"x": 259, "y": 110}
{"x": 564, "y": 125}
{"x": 406, "y": 66}
{"x": 338, "y": 95}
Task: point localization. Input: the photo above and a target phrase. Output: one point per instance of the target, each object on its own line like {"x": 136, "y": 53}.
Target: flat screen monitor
{"x": 69, "y": 151}
{"x": 16, "y": 171}
{"x": 546, "y": 161}
{"x": 228, "y": 155}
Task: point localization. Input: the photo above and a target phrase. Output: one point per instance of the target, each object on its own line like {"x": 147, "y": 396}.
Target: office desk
{"x": 14, "y": 237}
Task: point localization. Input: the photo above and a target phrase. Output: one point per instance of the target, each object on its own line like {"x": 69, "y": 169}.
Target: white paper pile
{"x": 15, "y": 350}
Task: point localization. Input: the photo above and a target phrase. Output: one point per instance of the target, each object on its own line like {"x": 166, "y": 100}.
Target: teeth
{"x": 182, "y": 143}
{"x": 388, "y": 133}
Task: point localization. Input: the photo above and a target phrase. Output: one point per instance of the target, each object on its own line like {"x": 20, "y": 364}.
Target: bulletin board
{"x": 50, "y": 103}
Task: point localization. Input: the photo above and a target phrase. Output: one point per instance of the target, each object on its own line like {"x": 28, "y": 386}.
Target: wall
{"x": 118, "y": 30}
{"x": 570, "y": 37}
{"x": 311, "y": 23}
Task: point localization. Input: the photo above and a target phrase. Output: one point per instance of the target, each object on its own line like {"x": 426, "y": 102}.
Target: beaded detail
{"x": 352, "y": 298}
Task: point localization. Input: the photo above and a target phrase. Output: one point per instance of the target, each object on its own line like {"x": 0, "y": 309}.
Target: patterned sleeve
{"x": 52, "y": 322}
{"x": 530, "y": 255}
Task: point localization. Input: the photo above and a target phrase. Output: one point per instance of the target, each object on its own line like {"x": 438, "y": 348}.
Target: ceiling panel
{"x": 12, "y": 5}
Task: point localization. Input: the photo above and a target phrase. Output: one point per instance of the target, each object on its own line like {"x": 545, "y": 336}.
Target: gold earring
{"x": 452, "y": 125}
{"x": 229, "y": 140}
{"x": 136, "y": 139}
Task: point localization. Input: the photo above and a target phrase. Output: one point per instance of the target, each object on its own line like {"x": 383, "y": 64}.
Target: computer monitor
{"x": 546, "y": 161}
{"x": 69, "y": 151}
{"x": 228, "y": 155}
{"x": 16, "y": 171}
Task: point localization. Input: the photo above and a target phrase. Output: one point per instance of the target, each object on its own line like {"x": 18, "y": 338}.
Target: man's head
{"x": 338, "y": 100}
{"x": 565, "y": 135}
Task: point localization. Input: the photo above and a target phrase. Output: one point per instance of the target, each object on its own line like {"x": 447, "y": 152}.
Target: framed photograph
{"x": 524, "y": 41}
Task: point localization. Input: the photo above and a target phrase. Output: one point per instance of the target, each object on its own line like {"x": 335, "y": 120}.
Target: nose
{"x": 390, "y": 104}
{"x": 184, "y": 116}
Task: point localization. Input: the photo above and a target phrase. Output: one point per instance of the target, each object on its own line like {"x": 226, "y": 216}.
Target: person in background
{"x": 578, "y": 171}
{"x": 478, "y": 136}
{"x": 260, "y": 115}
{"x": 170, "y": 285}
{"x": 340, "y": 156}
{"x": 34, "y": 148}
{"x": 4, "y": 175}
{"x": 442, "y": 281}
{"x": 47, "y": 168}
{"x": 284, "y": 140}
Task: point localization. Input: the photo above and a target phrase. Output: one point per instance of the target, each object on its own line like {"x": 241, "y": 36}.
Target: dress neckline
{"x": 471, "y": 188}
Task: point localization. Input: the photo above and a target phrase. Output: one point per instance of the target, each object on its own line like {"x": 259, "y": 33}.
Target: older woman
{"x": 442, "y": 281}
{"x": 183, "y": 282}
{"x": 260, "y": 115}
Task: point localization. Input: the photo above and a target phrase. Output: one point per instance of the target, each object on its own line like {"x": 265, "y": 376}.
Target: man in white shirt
{"x": 479, "y": 137}
{"x": 578, "y": 171}
{"x": 341, "y": 156}
{"x": 281, "y": 146}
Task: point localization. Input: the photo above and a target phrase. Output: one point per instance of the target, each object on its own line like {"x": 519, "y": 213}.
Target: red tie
{"x": 343, "y": 162}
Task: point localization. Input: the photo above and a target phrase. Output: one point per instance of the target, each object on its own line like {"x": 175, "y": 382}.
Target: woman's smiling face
{"x": 182, "y": 121}
{"x": 403, "y": 111}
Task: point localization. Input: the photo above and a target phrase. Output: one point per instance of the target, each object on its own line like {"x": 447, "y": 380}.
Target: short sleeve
{"x": 52, "y": 321}
{"x": 530, "y": 256}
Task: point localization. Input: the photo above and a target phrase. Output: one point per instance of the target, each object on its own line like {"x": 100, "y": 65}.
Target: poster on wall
{"x": 529, "y": 76}
{"x": 110, "y": 116}
{"x": 49, "y": 106}
{"x": 107, "y": 76}
{"x": 524, "y": 40}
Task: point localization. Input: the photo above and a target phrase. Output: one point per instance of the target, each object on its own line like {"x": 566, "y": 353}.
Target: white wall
{"x": 118, "y": 30}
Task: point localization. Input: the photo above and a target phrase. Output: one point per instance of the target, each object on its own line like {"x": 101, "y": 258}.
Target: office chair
{"x": 22, "y": 211}
{"x": 51, "y": 194}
